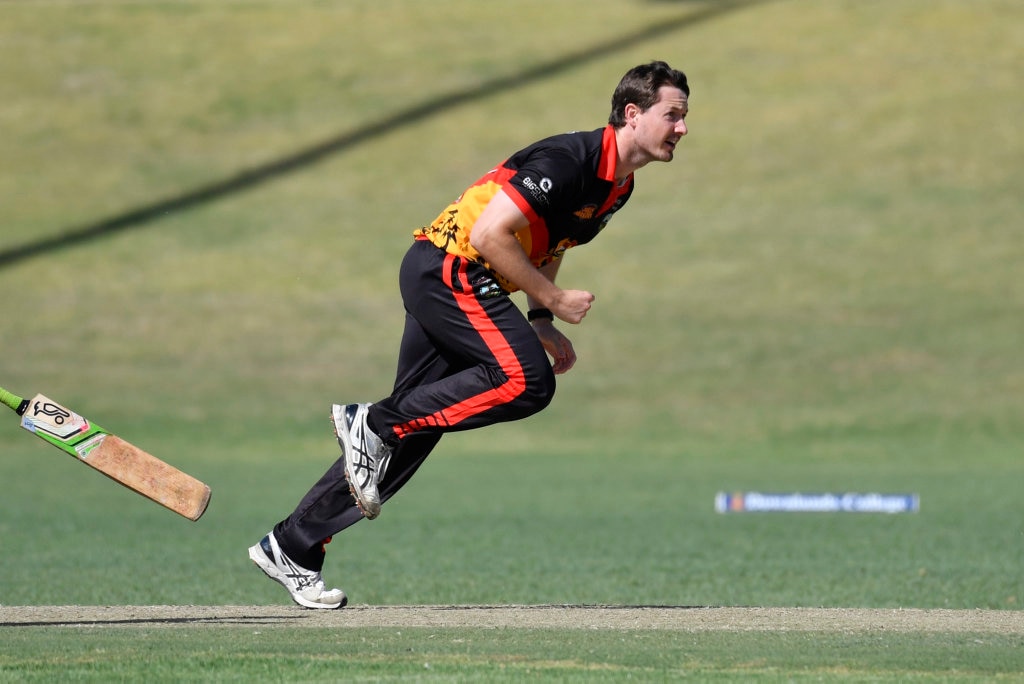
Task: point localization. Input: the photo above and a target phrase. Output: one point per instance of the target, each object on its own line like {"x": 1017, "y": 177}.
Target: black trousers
{"x": 468, "y": 359}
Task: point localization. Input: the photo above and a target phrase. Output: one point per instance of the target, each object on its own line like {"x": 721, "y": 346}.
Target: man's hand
{"x": 563, "y": 356}
{"x": 571, "y": 305}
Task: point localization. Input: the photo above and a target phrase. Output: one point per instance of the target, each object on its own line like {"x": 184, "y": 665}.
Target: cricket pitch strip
{"x": 678, "y": 618}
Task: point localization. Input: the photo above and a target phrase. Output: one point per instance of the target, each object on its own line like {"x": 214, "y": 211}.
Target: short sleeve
{"x": 549, "y": 180}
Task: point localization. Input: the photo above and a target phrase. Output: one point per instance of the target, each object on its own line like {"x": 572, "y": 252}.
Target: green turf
{"x": 266, "y": 654}
{"x": 821, "y": 293}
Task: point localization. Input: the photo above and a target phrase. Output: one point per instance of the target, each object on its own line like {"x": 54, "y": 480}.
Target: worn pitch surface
{"x": 680, "y": 618}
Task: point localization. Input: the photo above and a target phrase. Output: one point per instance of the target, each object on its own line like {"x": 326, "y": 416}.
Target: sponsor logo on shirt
{"x": 538, "y": 190}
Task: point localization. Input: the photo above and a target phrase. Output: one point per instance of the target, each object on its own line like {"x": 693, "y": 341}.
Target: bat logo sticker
{"x": 56, "y": 414}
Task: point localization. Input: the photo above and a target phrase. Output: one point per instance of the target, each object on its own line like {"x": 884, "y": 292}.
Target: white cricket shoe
{"x": 366, "y": 456}
{"x": 305, "y": 586}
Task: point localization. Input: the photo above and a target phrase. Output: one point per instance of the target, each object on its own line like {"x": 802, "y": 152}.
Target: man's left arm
{"x": 555, "y": 343}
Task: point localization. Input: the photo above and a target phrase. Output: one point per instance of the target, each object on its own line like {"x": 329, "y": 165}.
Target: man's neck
{"x": 626, "y": 150}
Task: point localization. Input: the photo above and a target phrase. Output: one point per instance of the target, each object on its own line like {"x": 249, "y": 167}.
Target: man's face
{"x": 659, "y": 128}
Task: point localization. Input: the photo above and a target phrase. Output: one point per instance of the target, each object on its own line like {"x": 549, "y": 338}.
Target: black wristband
{"x": 539, "y": 315}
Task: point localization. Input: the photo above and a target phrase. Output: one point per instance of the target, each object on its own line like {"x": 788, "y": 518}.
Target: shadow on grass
{"x": 252, "y": 177}
{"x": 255, "y": 620}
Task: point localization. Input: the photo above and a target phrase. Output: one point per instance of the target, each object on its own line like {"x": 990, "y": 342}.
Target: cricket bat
{"x": 117, "y": 459}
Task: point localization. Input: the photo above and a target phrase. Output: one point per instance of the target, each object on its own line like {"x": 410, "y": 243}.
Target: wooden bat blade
{"x": 119, "y": 460}
{"x": 149, "y": 476}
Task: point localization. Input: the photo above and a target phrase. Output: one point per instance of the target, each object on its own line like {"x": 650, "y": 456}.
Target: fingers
{"x": 563, "y": 356}
{"x": 564, "y": 364}
{"x": 574, "y": 305}
{"x": 557, "y": 345}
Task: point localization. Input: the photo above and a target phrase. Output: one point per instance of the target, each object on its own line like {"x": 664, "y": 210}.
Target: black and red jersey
{"x": 564, "y": 184}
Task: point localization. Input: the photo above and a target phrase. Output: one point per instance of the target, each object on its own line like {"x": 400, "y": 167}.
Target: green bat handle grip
{"x": 13, "y": 400}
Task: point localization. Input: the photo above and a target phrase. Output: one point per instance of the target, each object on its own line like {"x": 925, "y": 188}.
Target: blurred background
{"x": 203, "y": 206}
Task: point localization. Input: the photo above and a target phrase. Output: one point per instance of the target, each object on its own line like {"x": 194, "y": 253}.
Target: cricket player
{"x": 469, "y": 356}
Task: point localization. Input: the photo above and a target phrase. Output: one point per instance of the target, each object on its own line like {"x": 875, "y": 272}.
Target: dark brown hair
{"x": 640, "y": 87}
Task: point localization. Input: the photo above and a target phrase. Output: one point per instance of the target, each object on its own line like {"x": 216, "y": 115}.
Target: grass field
{"x": 202, "y": 208}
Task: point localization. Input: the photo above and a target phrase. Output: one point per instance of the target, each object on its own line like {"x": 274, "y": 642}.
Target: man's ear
{"x": 630, "y": 112}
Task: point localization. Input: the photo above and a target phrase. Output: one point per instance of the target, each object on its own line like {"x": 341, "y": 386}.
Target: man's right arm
{"x": 494, "y": 236}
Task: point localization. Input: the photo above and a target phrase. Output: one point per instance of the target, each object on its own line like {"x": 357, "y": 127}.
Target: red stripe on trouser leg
{"x": 494, "y": 339}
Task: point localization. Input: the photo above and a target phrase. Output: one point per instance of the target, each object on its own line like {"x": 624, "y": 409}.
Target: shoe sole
{"x": 257, "y": 556}
{"x": 369, "y": 509}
